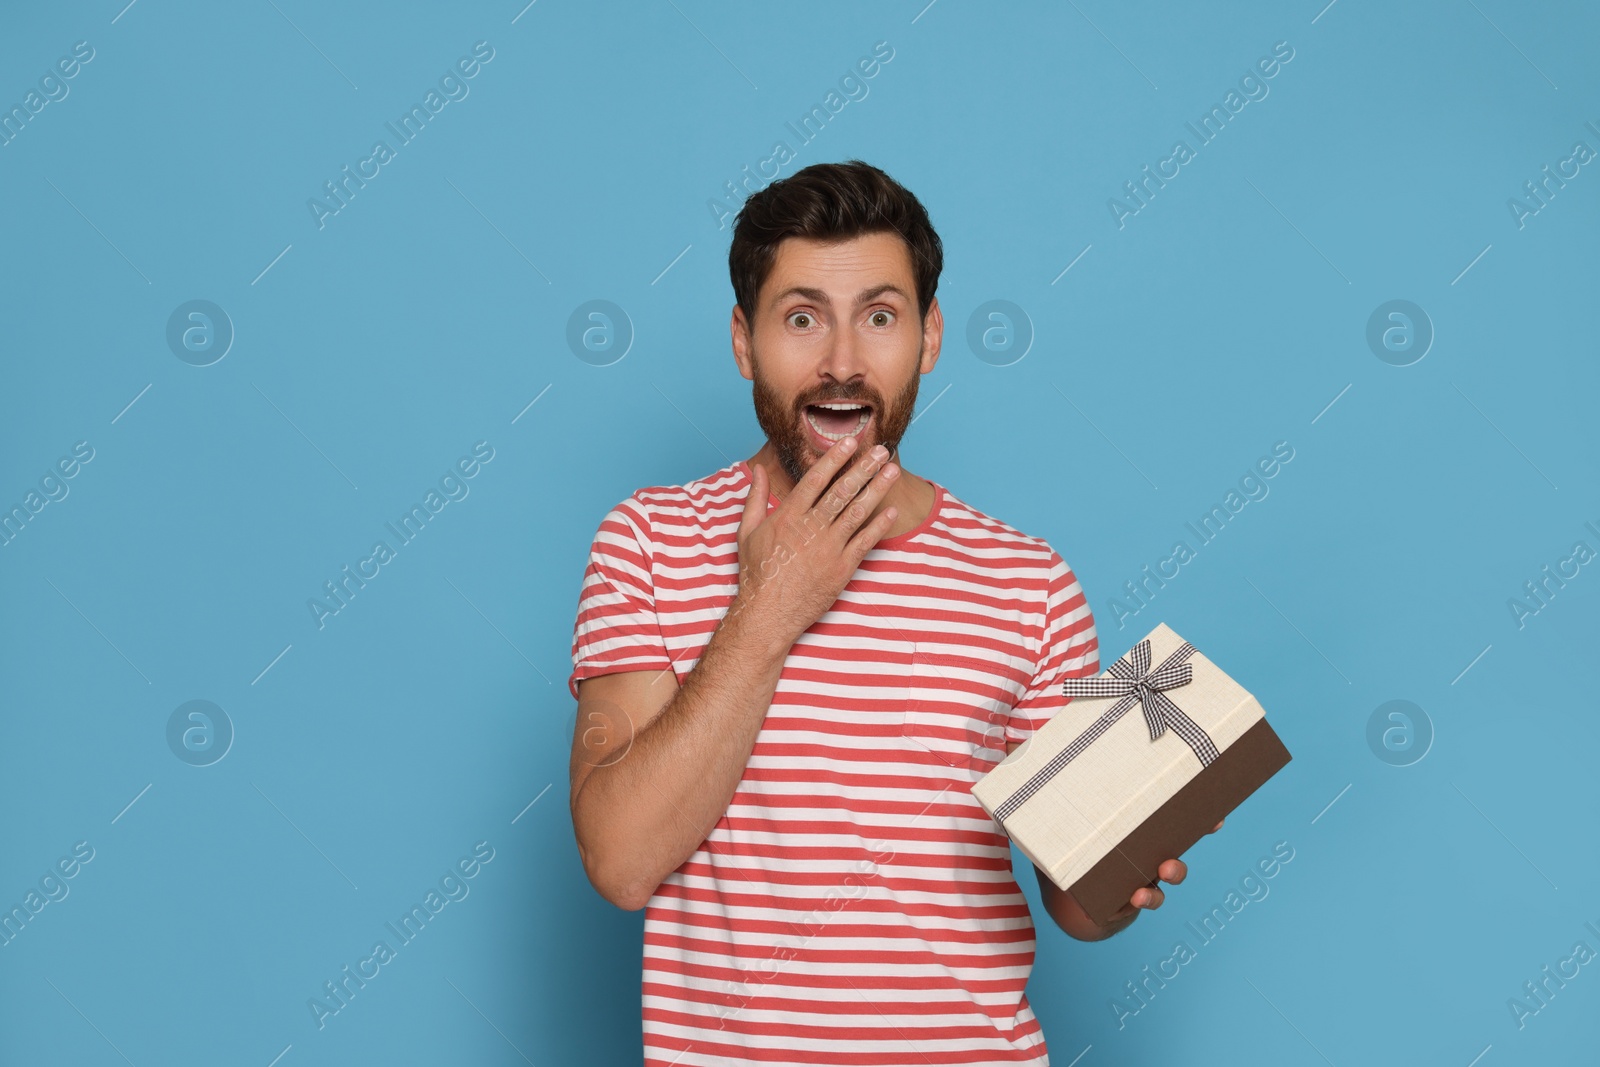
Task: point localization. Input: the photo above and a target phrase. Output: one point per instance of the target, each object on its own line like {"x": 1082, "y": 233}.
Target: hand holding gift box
{"x": 1143, "y": 763}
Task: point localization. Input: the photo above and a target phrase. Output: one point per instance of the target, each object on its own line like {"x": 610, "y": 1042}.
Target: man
{"x": 790, "y": 673}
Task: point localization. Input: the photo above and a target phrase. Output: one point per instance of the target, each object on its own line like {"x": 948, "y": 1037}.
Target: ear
{"x": 932, "y": 336}
{"x": 739, "y": 330}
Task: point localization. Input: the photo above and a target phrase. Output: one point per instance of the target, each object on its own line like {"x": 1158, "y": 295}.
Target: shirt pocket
{"x": 956, "y": 710}
{"x": 846, "y": 692}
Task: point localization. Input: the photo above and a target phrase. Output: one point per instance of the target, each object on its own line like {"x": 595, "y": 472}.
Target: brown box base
{"x": 1241, "y": 769}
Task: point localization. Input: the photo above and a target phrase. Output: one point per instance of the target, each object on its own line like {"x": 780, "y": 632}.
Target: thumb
{"x": 755, "y": 504}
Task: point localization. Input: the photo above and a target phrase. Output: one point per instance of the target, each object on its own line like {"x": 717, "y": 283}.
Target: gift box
{"x": 1140, "y": 765}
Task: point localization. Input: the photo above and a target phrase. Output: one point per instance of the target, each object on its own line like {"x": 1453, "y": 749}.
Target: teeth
{"x": 865, "y": 415}
{"x": 838, "y": 405}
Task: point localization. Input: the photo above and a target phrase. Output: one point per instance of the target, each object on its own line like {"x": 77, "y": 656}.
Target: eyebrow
{"x": 817, "y": 296}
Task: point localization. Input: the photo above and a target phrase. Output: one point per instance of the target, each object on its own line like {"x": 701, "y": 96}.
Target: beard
{"x": 784, "y": 424}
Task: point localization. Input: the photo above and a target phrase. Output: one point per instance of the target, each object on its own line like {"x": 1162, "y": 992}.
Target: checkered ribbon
{"x": 1131, "y": 679}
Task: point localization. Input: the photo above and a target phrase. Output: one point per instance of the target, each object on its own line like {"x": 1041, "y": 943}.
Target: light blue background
{"x": 1227, "y": 315}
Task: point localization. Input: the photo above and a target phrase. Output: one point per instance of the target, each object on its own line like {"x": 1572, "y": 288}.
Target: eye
{"x": 881, "y": 317}
{"x": 803, "y": 316}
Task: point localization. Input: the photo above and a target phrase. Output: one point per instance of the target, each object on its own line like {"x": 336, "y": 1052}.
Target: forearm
{"x": 638, "y": 819}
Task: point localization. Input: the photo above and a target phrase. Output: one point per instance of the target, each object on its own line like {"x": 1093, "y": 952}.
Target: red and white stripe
{"x": 855, "y": 904}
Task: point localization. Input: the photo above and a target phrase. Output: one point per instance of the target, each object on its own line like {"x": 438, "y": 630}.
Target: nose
{"x": 844, "y": 358}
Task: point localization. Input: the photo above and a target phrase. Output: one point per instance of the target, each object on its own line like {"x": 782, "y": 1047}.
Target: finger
{"x": 865, "y": 499}
{"x": 1148, "y": 897}
{"x": 868, "y": 536}
{"x": 848, "y": 486}
{"x": 755, "y": 505}
{"x": 1173, "y": 871}
{"x": 1217, "y": 827}
{"x": 809, "y": 488}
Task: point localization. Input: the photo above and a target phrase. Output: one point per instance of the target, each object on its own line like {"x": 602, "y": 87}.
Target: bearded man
{"x": 791, "y": 671}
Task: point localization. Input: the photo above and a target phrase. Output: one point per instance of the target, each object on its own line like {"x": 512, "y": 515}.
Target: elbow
{"x": 614, "y": 875}
{"x": 621, "y": 888}
{"x": 629, "y": 895}
{"x": 634, "y": 901}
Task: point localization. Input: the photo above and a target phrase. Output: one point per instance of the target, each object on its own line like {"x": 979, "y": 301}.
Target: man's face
{"x": 836, "y": 324}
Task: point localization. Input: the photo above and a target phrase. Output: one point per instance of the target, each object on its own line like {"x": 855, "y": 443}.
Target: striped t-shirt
{"x": 855, "y": 904}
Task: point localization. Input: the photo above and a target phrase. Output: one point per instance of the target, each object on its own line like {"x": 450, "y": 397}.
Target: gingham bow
{"x": 1134, "y": 681}
{"x": 1131, "y": 679}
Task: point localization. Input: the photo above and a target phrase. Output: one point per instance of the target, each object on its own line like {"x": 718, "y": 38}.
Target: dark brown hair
{"x": 830, "y": 202}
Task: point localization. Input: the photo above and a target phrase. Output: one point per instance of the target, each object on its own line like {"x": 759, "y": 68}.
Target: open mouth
{"x": 838, "y": 419}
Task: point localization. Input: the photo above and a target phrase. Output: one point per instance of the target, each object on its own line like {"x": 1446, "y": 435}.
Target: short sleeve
{"x": 617, "y": 628}
{"x": 1069, "y": 649}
